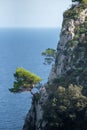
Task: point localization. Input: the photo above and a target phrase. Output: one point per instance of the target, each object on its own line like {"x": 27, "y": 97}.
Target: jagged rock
{"x": 34, "y": 119}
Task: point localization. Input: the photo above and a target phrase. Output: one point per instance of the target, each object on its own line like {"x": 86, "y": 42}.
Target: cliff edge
{"x": 62, "y": 102}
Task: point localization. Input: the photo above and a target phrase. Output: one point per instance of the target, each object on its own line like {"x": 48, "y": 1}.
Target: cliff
{"x": 62, "y": 102}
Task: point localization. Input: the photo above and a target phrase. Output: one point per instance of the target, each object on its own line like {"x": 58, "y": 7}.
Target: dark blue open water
{"x": 21, "y": 48}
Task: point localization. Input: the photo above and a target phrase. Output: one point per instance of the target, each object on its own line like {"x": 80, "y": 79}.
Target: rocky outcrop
{"x": 60, "y": 105}
{"x": 34, "y": 119}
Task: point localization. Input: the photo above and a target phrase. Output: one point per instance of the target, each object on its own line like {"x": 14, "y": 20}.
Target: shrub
{"x": 50, "y": 55}
{"x": 24, "y": 80}
{"x": 66, "y": 106}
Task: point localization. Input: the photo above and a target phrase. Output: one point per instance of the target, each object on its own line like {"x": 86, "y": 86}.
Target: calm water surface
{"x": 21, "y": 48}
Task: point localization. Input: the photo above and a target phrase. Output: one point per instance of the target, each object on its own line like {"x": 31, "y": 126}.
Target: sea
{"x": 21, "y": 47}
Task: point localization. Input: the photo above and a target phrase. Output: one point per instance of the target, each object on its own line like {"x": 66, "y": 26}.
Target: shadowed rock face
{"x": 62, "y": 103}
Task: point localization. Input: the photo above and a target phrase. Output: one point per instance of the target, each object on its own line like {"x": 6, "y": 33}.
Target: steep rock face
{"x": 68, "y": 35}
{"x": 72, "y": 48}
{"x": 34, "y": 119}
{"x": 59, "y": 108}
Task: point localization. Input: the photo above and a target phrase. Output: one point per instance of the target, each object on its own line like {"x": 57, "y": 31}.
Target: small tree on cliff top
{"x": 50, "y": 55}
{"x": 24, "y": 80}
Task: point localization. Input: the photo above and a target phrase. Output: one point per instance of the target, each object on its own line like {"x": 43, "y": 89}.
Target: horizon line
{"x": 30, "y": 27}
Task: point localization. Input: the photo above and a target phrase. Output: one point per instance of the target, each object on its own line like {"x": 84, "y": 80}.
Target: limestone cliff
{"x": 57, "y": 107}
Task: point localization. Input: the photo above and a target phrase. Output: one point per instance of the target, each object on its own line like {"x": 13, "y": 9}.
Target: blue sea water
{"x": 21, "y": 48}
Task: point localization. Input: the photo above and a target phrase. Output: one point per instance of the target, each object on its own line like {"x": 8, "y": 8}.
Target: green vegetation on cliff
{"x": 80, "y": 1}
{"x": 66, "y": 108}
{"x": 73, "y": 12}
